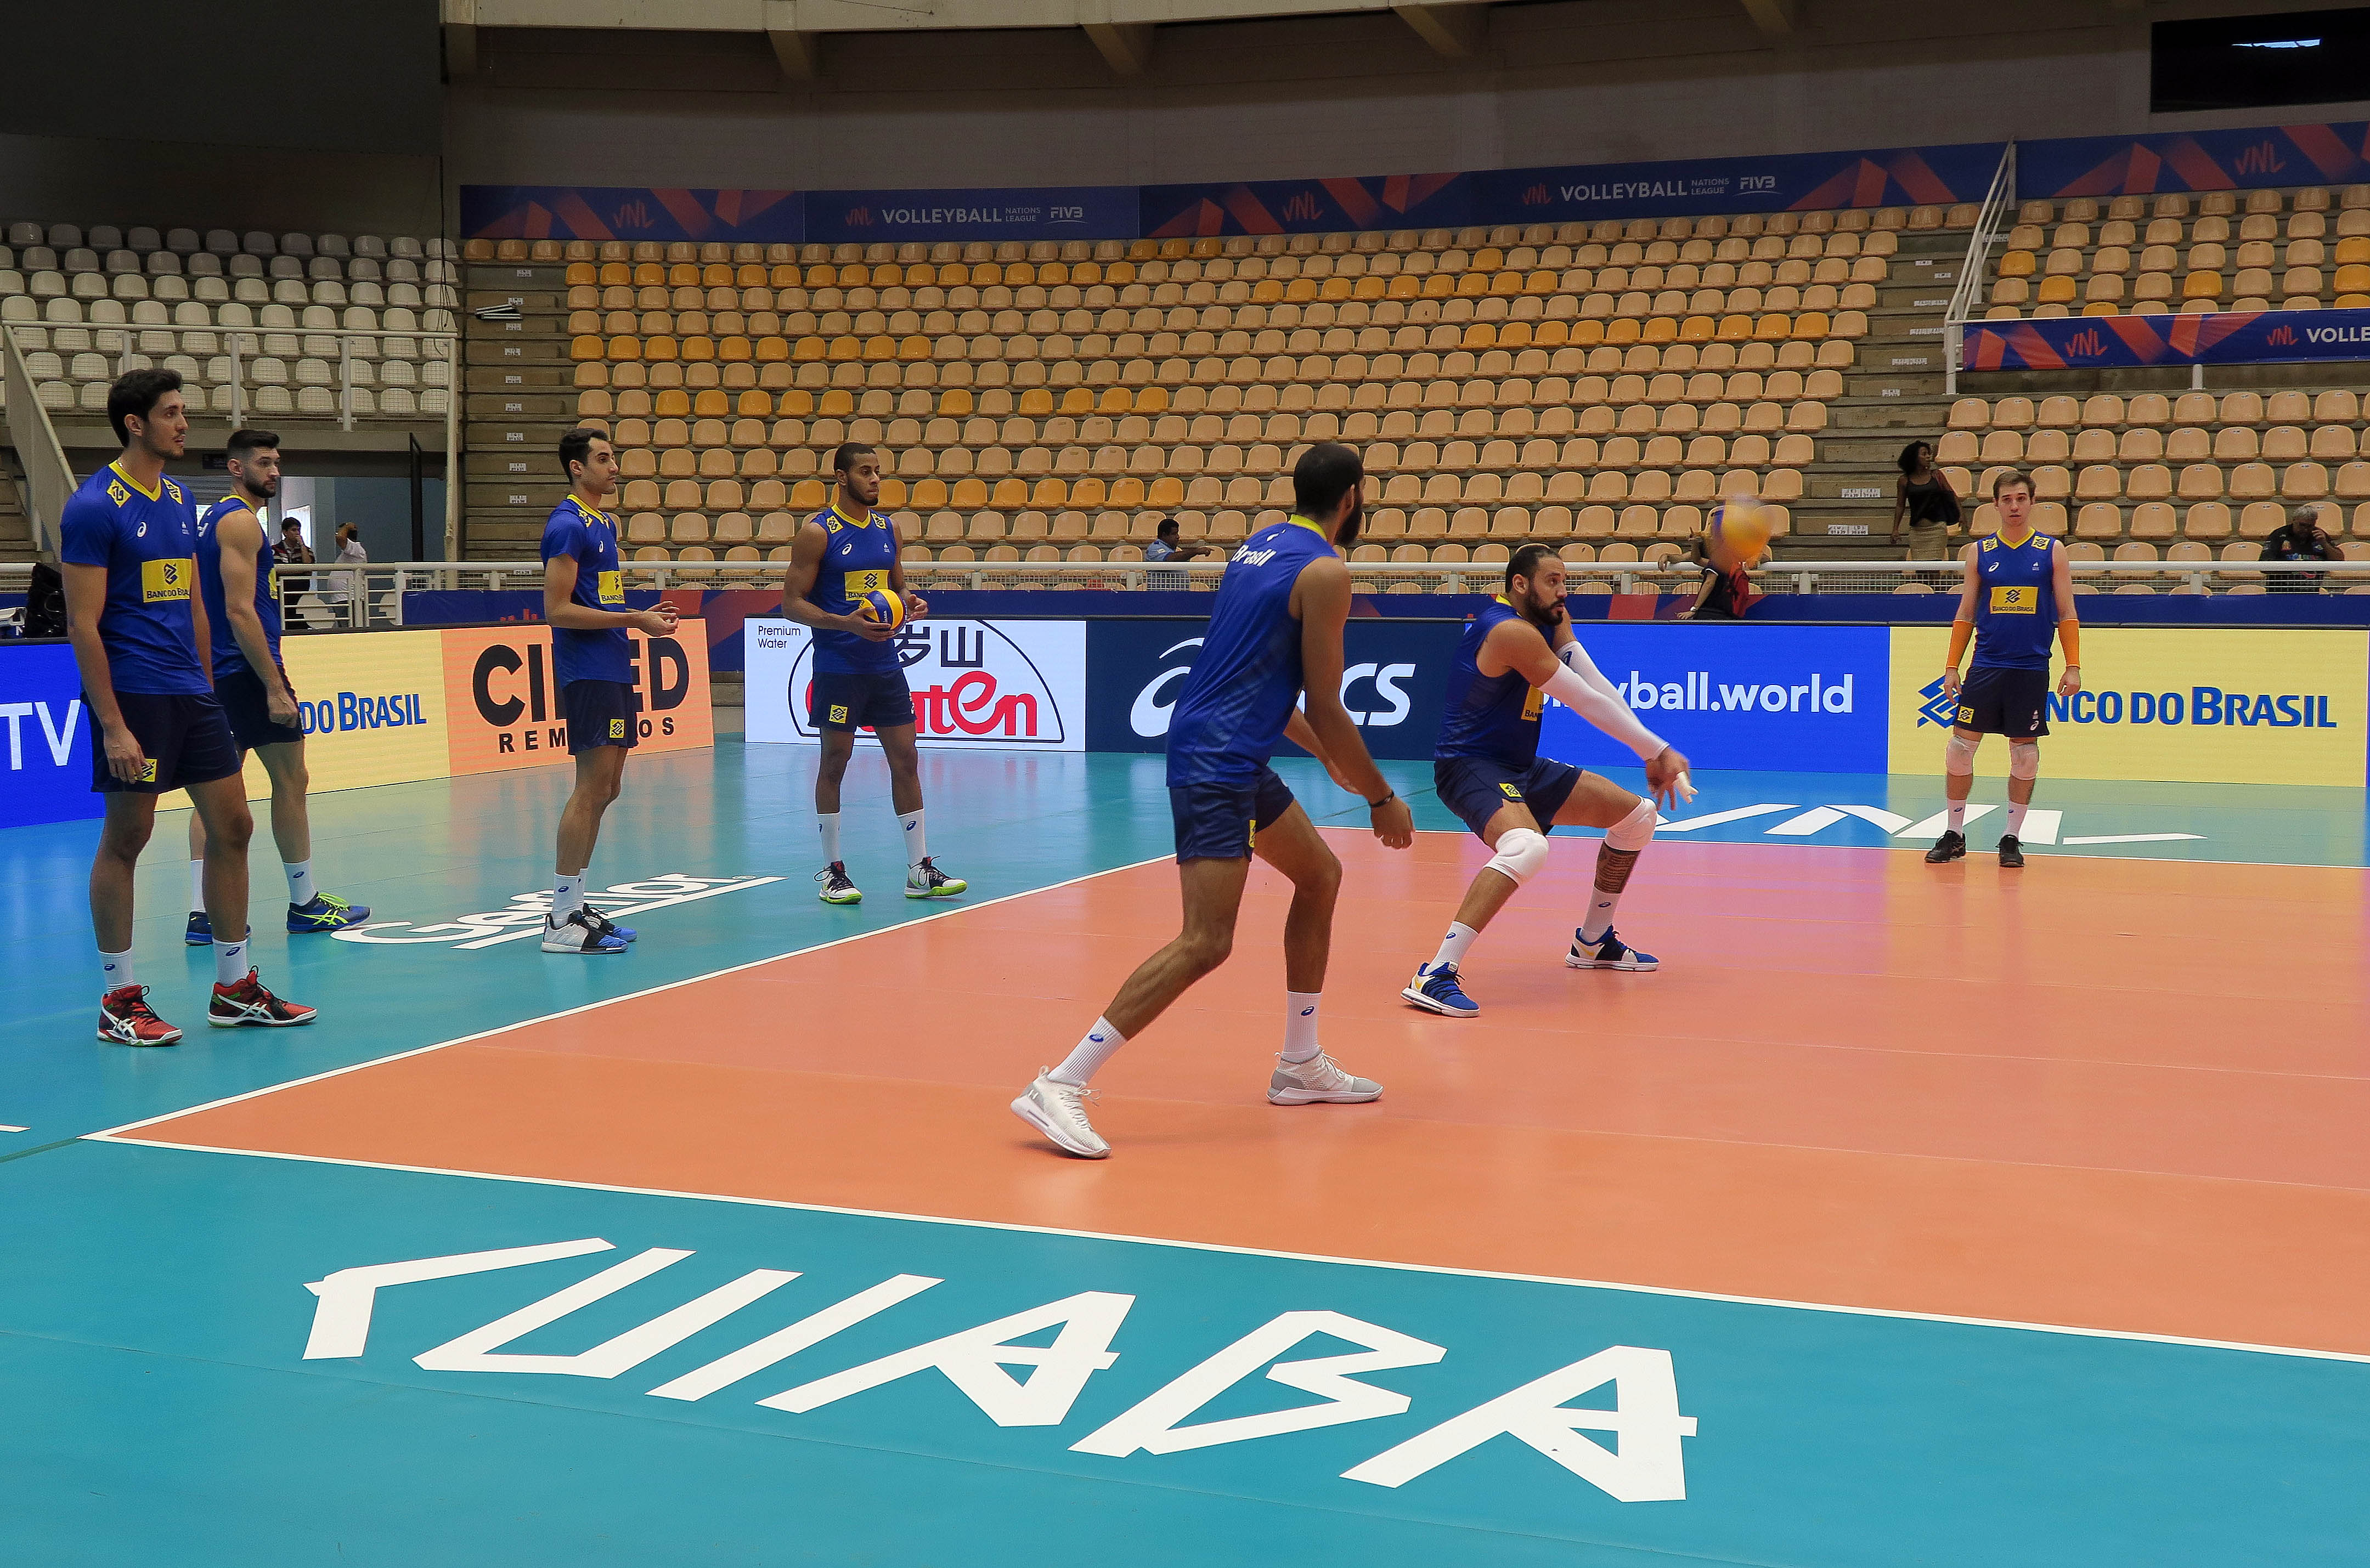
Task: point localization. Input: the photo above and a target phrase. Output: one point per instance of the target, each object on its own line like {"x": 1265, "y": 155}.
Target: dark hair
{"x": 1166, "y": 525}
{"x": 576, "y": 446}
{"x": 1322, "y": 477}
{"x": 1908, "y": 459}
{"x": 844, "y": 457}
{"x": 1525, "y": 561}
{"x": 288, "y": 523}
{"x": 134, "y": 393}
{"x": 2008, "y": 476}
{"x": 245, "y": 444}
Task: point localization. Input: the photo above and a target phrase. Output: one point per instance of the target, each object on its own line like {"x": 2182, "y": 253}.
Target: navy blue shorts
{"x": 2014, "y": 703}
{"x": 1218, "y": 821}
{"x": 185, "y": 736}
{"x": 599, "y": 713}
{"x": 241, "y": 696}
{"x": 852, "y": 699}
{"x": 1477, "y": 789}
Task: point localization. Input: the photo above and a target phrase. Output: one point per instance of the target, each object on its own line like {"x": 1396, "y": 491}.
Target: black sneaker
{"x": 199, "y": 931}
{"x": 2011, "y": 850}
{"x": 1950, "y": 846}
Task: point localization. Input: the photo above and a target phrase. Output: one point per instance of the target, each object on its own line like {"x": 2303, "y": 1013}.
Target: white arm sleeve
{"x": 1576, "y": 657}
{"x": 1600, "y": 704}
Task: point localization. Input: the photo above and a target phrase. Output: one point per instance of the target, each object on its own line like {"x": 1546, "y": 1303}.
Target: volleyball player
{"x": 844, "y": 552}
{"x": 1275, "y": 630}
{"x": 235, "y": 558}
{"x": 1518, "y": 651}
{"x": 2017, "y": 590}
{"x": 591, "y": 660}
{"x": 140, "y": 635}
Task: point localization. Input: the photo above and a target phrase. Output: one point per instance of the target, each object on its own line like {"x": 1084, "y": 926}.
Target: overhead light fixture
{"x": 2284, "y": 43}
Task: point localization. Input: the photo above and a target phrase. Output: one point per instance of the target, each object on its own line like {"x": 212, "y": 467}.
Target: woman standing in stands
{"x": 1927, "y": 498}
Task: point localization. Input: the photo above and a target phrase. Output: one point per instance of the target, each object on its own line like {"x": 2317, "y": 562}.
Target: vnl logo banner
{"x": 1016, "y": 685}
{"x": 1803, "y": 699}
{"x": 2202, "y": 705}
{"x": 46, "y": 777}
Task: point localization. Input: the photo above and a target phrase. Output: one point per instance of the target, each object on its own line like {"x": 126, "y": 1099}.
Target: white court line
{"x": 15, "y": 1129}
{"x": 1453, "y": 1272}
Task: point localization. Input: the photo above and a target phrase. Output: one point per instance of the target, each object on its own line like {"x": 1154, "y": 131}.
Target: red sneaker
{"x": 248, "y": 1005}
{"x": 126, "y": 1018}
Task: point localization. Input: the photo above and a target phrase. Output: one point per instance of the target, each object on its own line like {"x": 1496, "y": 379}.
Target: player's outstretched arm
{"x": 1321, "y": 597}
{"x": 2069, "y": 626}
{"x": 1572, "y": 679}
{"x": 799, "y": 580}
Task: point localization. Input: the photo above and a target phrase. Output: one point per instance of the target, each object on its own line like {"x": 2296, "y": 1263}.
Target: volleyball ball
{"x": 1740, "y": 529}
{"x": 885, "y": 605}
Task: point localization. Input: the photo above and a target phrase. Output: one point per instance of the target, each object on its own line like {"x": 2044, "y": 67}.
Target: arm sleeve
{"x": 1600, "y": 704}
{"x": 1576, "y": 656}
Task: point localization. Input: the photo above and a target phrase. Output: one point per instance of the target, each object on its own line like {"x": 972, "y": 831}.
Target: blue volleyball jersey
{"x": 229, "y": 657}
{"x": 855, "y": 562}
{"x": 1491, "y": 716}
{"x": 147, "y": 540}
{"x": 1247, "y": 677}
{"x": 589, "y": 536}
{"x": 2016, "y": 603}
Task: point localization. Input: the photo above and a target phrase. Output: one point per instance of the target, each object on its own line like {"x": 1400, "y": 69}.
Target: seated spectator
{"x": 1165, "y": 548}
{"x": 2301, "y": 538}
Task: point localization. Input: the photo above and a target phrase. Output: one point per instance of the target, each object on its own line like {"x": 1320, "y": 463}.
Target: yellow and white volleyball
{"x": 885, "y": 605}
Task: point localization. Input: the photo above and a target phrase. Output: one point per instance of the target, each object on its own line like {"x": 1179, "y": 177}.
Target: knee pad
{"x": 2023, "y": 760}
{"x": 1958, "y": 756}
{"x": 1521, "y": 854}
{"x": 1633, "y": 832}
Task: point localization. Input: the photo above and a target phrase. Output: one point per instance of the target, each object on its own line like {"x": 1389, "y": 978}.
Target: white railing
{"x": 49, "y": 482}
{"x": 1998, "y": 202}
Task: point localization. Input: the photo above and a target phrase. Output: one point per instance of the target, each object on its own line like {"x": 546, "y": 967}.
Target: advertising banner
{"x": 1391, "y": 680}
{"x": 2195, "y": 160}
{"x": 1796, "y": 699}
{"x": 630, "y": 213}
{"x": 1084, "y": 212}
{"x": 505, "y": 709}
{"x": 999, "y": 685}
{"x": 2201, "y": 707}
{"x": 1897, "y": 177}
{"x": 48, "y": 778}
{"x": 2220, "y": 337}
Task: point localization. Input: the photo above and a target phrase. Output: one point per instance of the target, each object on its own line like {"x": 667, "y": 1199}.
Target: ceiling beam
{"x": 1455, "y": 31}
{"x": 1776, "y": 19}
{"x": 1126, "y": 46}
{"x": 460, "y": 19}
{"x": 798, "y": 54}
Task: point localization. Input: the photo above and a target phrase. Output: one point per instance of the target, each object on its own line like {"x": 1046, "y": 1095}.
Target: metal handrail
{"x": 49, "y": 480}
{"x": 1996, "y": 202}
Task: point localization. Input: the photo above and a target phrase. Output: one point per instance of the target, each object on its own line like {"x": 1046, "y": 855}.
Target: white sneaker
{"x": 1318, "y": 1082}
{"x": 578, "y": 934}
{"x": 1058, "y": 1110}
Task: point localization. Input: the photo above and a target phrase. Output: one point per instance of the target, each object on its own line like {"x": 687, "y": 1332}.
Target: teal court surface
{"x": 1910, "y": 1215}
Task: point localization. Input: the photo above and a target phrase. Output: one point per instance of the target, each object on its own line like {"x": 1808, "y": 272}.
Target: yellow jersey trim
{"x": 156, "y": 494}
{"x": 867, "y": 520}
{"x": 1311, "y": 527}
{"x": 590, "y": 510}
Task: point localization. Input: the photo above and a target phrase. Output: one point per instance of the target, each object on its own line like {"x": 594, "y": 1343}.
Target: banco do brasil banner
{"x": 376, "y": 707}
{"x": 2230, "y": 337}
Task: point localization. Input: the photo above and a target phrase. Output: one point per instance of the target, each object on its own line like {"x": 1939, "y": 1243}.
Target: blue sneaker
{"x": 1609, "y": 952}
{"x": 324, "y": 913}
{"x": 201, "y": 933}
{"x": 608, "y": 927}
{"x": 1436, "y": 990}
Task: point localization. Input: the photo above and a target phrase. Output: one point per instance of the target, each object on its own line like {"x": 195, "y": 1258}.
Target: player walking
{"x": 591, "y": 660}
{"x": 844, "y": 552}
{"x": 1275, "y": 629}
{"x": 128, "y": 537}
{"x": 235, "y": 558}
{"x": 1516, "y": 652}
{"x": 2018, "y": 588}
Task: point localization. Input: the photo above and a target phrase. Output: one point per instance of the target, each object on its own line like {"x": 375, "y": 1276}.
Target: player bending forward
{"x": 1275, "y": 628}
{"x": 1518, "y": 651}
{"x": 2019, "y": 589}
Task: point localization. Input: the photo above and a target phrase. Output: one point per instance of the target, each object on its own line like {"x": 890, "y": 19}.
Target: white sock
{"x": 1451, "y": 946}
{"x": 827, "y": 824}
{"x": 1300, "y": 1024}
{"x": 1599, "y": 919}
{"x": 917, "y": 851}
{"x": 230, "y": 961}
{"x": 197, "y": 887}
{"x": 568, "y": 897}
{"x": 300, "y": 881}
{"x": 115, "y": 970}
{"x": 1101, "y": 1043}
{"x": 2015, "y": 820}
{"x": 1957, "y": 816}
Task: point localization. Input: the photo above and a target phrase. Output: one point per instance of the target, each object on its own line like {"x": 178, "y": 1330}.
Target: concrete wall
{"x": 1585, "y": 82}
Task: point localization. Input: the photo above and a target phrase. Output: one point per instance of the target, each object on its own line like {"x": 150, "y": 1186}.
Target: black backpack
{"x": 45, "y": 603}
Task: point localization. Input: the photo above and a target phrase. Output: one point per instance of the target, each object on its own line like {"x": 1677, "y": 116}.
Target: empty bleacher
{"x": 2303, "y": 248}
{"x": 1578, "y": 382}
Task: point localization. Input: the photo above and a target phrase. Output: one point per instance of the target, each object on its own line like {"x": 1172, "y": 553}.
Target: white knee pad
{"x": 1635, "y": 831}
{"x": 2023, "y": 760}
{"x": 1521, "y": 854}
{"x": 1958, "y": 756}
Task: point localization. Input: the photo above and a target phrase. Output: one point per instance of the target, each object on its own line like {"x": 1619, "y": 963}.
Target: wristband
{"x": 1388, "y": 795}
